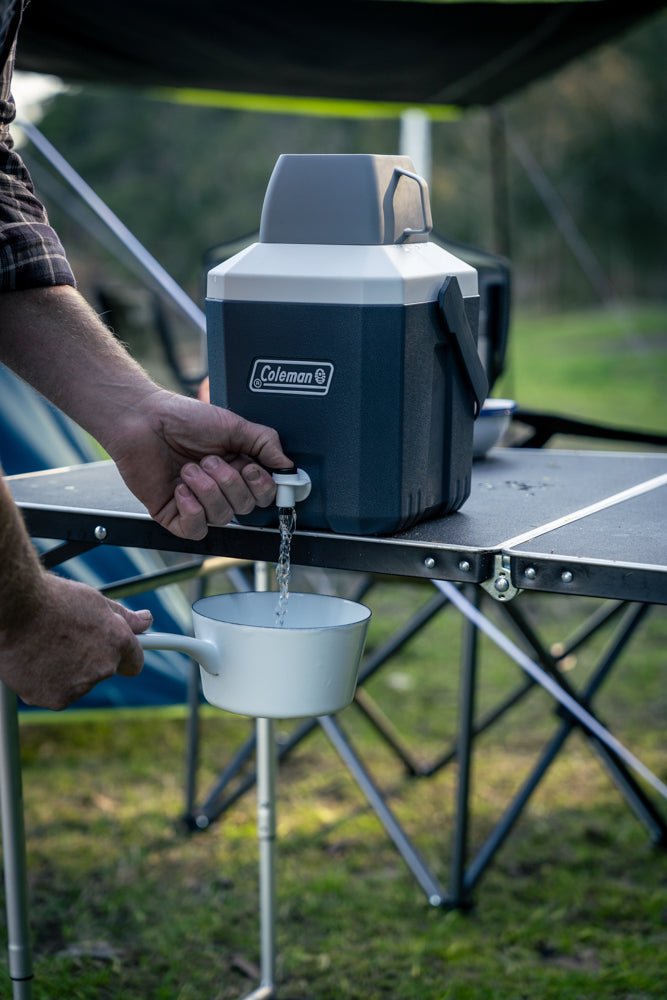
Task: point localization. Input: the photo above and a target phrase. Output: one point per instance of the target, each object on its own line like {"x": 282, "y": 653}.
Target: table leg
{"x": 13, "y": 848}
{"x": 266, "y": 836}
{"x": 461, "y": 897}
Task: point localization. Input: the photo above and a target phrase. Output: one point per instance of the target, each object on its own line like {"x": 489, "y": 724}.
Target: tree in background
{"x": 597, "y": 129}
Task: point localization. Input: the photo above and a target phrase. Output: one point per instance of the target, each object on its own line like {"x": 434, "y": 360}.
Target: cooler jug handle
{"x": 455, "y": 321}
{"x": 426, "y": 210}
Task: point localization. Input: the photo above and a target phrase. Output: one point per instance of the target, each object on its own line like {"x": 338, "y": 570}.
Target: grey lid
{"x": 353, "y": 199}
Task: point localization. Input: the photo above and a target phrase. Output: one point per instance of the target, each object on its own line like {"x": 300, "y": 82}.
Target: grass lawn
{"x": 608, "y": 366}
{"x": 127, "y": 904}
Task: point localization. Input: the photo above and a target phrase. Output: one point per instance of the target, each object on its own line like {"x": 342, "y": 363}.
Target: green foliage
{"x": 596, "y": 129}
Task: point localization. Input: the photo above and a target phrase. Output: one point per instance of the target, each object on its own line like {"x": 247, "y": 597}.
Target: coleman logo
{"x": 304, "y": 378}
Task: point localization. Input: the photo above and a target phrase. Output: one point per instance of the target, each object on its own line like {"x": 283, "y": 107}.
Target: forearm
{"x": 56, "y": 342}
{"x": 191, "y": 464}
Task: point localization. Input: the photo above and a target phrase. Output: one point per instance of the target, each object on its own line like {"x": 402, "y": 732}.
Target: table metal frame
{"x": 549, "y": 553}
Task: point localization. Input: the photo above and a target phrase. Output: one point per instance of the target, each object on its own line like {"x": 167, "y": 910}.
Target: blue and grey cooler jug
{"x": 355, "y": 337}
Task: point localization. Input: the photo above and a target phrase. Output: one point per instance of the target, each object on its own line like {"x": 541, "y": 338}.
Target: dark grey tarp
{"x": 427, "y": 53}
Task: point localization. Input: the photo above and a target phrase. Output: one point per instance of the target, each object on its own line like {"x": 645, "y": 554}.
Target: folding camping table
{"x": 566, "y": 522}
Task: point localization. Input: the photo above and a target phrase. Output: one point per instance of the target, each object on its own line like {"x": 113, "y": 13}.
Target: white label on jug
{"x": 304, "y": 378}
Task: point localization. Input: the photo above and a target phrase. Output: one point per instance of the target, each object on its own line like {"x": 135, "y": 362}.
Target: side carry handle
{"x": 455, "y": 322}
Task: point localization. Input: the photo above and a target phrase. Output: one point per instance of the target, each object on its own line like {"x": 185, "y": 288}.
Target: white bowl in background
{"x": 491, "y": 424}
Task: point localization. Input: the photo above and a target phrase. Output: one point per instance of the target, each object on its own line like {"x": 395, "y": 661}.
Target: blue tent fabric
{"x": 34, "y": 436}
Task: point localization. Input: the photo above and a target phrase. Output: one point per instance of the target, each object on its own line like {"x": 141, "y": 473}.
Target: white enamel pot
{"x": 252, "y": 665}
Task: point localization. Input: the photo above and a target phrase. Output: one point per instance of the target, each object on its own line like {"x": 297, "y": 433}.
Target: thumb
{"x": 138, "y": 621}
{"x": 257, "y": 441}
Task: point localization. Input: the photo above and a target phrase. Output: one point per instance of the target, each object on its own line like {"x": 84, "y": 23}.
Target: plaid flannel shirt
{"x": 31, "y": 255}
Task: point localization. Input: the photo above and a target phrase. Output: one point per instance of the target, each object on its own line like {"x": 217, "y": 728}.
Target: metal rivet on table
{"x": 566, "y": 576}
{"x": 464, "y": 566}
{"x": 530, "y": 572}
{"x": 429, "y": 562}
{"x": 100, "y": 532}
{"x": 501, "y": 584}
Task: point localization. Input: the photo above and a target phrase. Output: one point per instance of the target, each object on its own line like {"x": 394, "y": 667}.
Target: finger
{"x": 260, "y": 484}
{"x": 138, "y": 621}
{"x": 232, "y": 485}
{"x": 220, "y": 489}
{"x": 182, "y": 515}
{"x": 190, "y": 520}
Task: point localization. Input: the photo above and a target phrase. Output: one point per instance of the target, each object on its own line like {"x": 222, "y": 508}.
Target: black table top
{"x": 576, "y": 522}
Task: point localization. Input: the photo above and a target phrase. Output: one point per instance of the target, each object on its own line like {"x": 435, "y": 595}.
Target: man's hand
{"x": 58, "y": 638}
{"x": 74, "y": 639}
{"x": 192, "y": 464}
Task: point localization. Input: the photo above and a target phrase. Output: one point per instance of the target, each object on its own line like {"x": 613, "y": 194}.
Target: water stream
{"x": 287, "y": 524}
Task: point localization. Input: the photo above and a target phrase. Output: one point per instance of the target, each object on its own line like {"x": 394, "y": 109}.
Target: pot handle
{"x": 201, "y": 650}
{"x": 426, "y": 209}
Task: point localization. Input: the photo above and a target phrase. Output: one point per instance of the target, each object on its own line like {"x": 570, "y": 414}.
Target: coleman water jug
{"x": 354, "y": 337}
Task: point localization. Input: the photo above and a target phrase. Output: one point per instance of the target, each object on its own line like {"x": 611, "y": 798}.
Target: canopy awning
{"x": 434, "y": 53}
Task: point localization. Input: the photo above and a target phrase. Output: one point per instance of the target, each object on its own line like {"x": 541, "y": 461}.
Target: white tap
{"x": 293, "y": 485}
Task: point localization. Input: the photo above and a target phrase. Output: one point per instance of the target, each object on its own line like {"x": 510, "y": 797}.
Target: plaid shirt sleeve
{"x": 31, "y": 255}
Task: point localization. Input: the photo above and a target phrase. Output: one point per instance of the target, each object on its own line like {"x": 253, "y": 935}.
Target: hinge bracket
{"x": 499, "y": 585}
